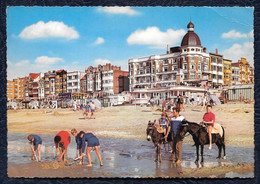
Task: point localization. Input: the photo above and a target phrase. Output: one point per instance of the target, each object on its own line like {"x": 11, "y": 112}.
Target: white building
{"x": 235, "y": 75}
{"x": 108, "y": 82}
{"x": 73, "y": 81}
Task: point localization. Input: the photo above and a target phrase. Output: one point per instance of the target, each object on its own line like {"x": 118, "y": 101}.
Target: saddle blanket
{"x": 217, "y": 129}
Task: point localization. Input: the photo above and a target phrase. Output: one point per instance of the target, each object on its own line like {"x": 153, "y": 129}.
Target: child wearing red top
{"x": 209, "y": 119}
{"x": 62, "y": 140}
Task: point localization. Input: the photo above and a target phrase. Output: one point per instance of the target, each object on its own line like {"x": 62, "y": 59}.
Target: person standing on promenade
{"x": 182, "y": 104}
{"x": 209, "y": 120}
{"x": 174, "y": 130}
{"x": 152, "y": 103}
{"x": 92, "y": 109}
{"x": 62, "y": 140}
{"x": 93, "y": 142}
{"x": 36, "y": 143}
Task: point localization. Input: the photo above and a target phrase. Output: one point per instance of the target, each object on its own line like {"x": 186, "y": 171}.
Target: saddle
{"x": 160, "y": 130}
{"x": 216, "y": 129}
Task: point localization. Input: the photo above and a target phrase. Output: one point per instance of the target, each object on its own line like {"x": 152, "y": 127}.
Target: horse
{"x": 201, "y": 138}
{"x": 157, "y": 138}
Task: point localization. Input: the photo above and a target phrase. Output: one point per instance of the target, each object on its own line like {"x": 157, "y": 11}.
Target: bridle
{"x": 187, "y": 124}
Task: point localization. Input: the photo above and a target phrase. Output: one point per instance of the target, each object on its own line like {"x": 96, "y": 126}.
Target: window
{"x": 185, "y": 66}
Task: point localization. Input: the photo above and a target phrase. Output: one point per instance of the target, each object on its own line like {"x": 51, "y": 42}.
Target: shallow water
{"x": 127, "y": 158}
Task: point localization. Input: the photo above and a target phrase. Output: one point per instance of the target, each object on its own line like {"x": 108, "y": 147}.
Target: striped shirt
{"x": 175, "y": 124}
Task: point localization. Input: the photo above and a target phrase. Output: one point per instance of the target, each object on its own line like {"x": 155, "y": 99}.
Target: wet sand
{"x": 129, "y": 123}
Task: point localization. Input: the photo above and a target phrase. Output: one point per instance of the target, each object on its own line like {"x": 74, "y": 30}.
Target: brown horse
{"x": 157, "y": 138}
{"x": 201, "y": 138}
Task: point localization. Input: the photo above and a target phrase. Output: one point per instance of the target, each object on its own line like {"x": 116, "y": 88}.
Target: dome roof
{"x": 191, "y": 38}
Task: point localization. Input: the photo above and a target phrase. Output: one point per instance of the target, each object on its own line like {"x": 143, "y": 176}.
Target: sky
{"x": 40, "y": 39}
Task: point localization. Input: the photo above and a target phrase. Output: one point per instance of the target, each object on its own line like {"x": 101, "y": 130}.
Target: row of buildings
{"x": 185, "y": 69}
{"x": 94, "y": 82}
{"x": 182, "y": 70}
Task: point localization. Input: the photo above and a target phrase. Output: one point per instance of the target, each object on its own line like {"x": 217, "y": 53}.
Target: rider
{"x": 209, "y": 120}
{"x": 163, "y": 122}
{"x": 174, "y": 130}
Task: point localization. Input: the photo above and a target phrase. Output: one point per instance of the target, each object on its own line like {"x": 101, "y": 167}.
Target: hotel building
{"x": 168, "y": 75}
{"x": 227, "y": 72}
{"x": 73, "y": 81}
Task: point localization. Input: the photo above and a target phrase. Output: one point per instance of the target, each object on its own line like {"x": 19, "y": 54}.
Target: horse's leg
{"x": 156, "y": 152}
{"x": 197, "y": 152}
{"x": 219, "y": 149}
{"x": 224, "y": 149}
{"x": 160, "y": 153}
{"x": 201, "y": 152}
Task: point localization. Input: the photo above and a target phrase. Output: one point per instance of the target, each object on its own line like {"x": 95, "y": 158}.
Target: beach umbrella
{"x": 215, "y": 99}
{"x": 97, "y": 103}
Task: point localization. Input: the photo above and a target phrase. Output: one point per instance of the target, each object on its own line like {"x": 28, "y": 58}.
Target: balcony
{"x": 214, "y": 72}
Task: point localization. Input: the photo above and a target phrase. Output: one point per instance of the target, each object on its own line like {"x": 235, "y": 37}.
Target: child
{"x": 36, "y": 142}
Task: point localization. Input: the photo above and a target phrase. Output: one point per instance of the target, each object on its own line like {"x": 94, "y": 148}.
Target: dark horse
{"x": 201, "y": 138}
{"x": 157, "y": 138}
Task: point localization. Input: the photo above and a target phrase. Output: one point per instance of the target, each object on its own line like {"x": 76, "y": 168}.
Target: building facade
{"x": 251, "y": 75}
{"x": 235, "y": 74}
{"x": 60, "y": 82}
{"x": 216, "y": 68}
{"x": 227, "y": 72}
{"x": 10, "y": 90}
{"x": 73, "y": 81}
{"x": 243, "y": 70}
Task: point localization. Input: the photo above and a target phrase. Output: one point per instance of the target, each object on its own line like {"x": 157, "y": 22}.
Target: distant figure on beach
{"x": 241, "y": 97}
{"x": 93, "y": 142}
{"x": 198, "y": 100}
{"x": 209, "y": 120}
{"x": 178, "y": 103}
{"x": 36, "y": 143}
{"x": 74, "y": 105}
{"x": 86, "y": 112}
{"x": 152, "y": 103}
{"x": 204, "y": 103}
{"x": 182, "y": 104}
{"x": 92, "y": 109}
{"x": 62, "y": 140}
{"x": 164, "y": 105}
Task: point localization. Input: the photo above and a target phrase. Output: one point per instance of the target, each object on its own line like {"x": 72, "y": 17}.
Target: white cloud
{"x": 251, "y": 34}
{"x": 118, "y": 10}
{"x": 23, "y": 68}
{"x": 101, "y": 61}
{"x": 99, "y": 40}
{"x": 156, "y": 38}
{"x": 49, "y": 29}
{"x": 237, "y": 51}
{"x": 47, "y": 60}
{"x": 235, "y": 35}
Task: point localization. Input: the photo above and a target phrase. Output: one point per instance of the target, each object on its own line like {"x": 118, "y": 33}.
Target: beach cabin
{"x": 246, "y": 90}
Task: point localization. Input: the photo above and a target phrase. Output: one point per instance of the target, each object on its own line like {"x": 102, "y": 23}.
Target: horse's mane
{"x": 192, "y": 123}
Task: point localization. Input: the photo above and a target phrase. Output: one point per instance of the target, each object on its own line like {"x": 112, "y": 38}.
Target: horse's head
{"x": 184, "y": 128}
{"x": 149, "y": 130}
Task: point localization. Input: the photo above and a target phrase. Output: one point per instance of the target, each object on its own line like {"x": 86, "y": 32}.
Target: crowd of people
{"x": 62, "y": 141}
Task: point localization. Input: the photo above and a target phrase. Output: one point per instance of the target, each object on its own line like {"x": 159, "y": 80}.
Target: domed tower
{"x": 191, "y": 38}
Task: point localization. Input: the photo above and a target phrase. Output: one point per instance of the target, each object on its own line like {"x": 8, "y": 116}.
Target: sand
{"x": 129, "y": 122}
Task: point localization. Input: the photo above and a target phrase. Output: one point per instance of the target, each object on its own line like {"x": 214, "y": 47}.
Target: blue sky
{"x": 45, "y": 38}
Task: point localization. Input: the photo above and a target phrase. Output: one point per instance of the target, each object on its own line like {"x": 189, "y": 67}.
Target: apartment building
{"x": 235, "y": 74}
{"x": 73, "y": 81}
{"x": 10, "y": 90}
{"x": 33, "y": 86}
{"x": 227, "y": 72}
{"x": 216, "y": 68}
{"x": 244, "y": 70}
{"x": 60, "y": 82}
{"x": 49, "y": 85}
{"x": 251, "y": 75}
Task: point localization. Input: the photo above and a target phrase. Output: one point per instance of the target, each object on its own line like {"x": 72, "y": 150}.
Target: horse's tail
{"x": 223, "y": 137}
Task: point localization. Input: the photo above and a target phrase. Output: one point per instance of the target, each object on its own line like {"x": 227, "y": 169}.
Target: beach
{"x": 128, "y": 123}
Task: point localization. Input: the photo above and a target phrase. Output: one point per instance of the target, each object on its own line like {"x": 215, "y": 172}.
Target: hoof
{"x": 196, "y": 162}
{"x": 218, "y": 157}
{"x": 224, "y": 157}
{"x": 155, "y": 160}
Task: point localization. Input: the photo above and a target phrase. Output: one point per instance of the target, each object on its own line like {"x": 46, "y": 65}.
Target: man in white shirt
{"x": 92, "y": 109}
